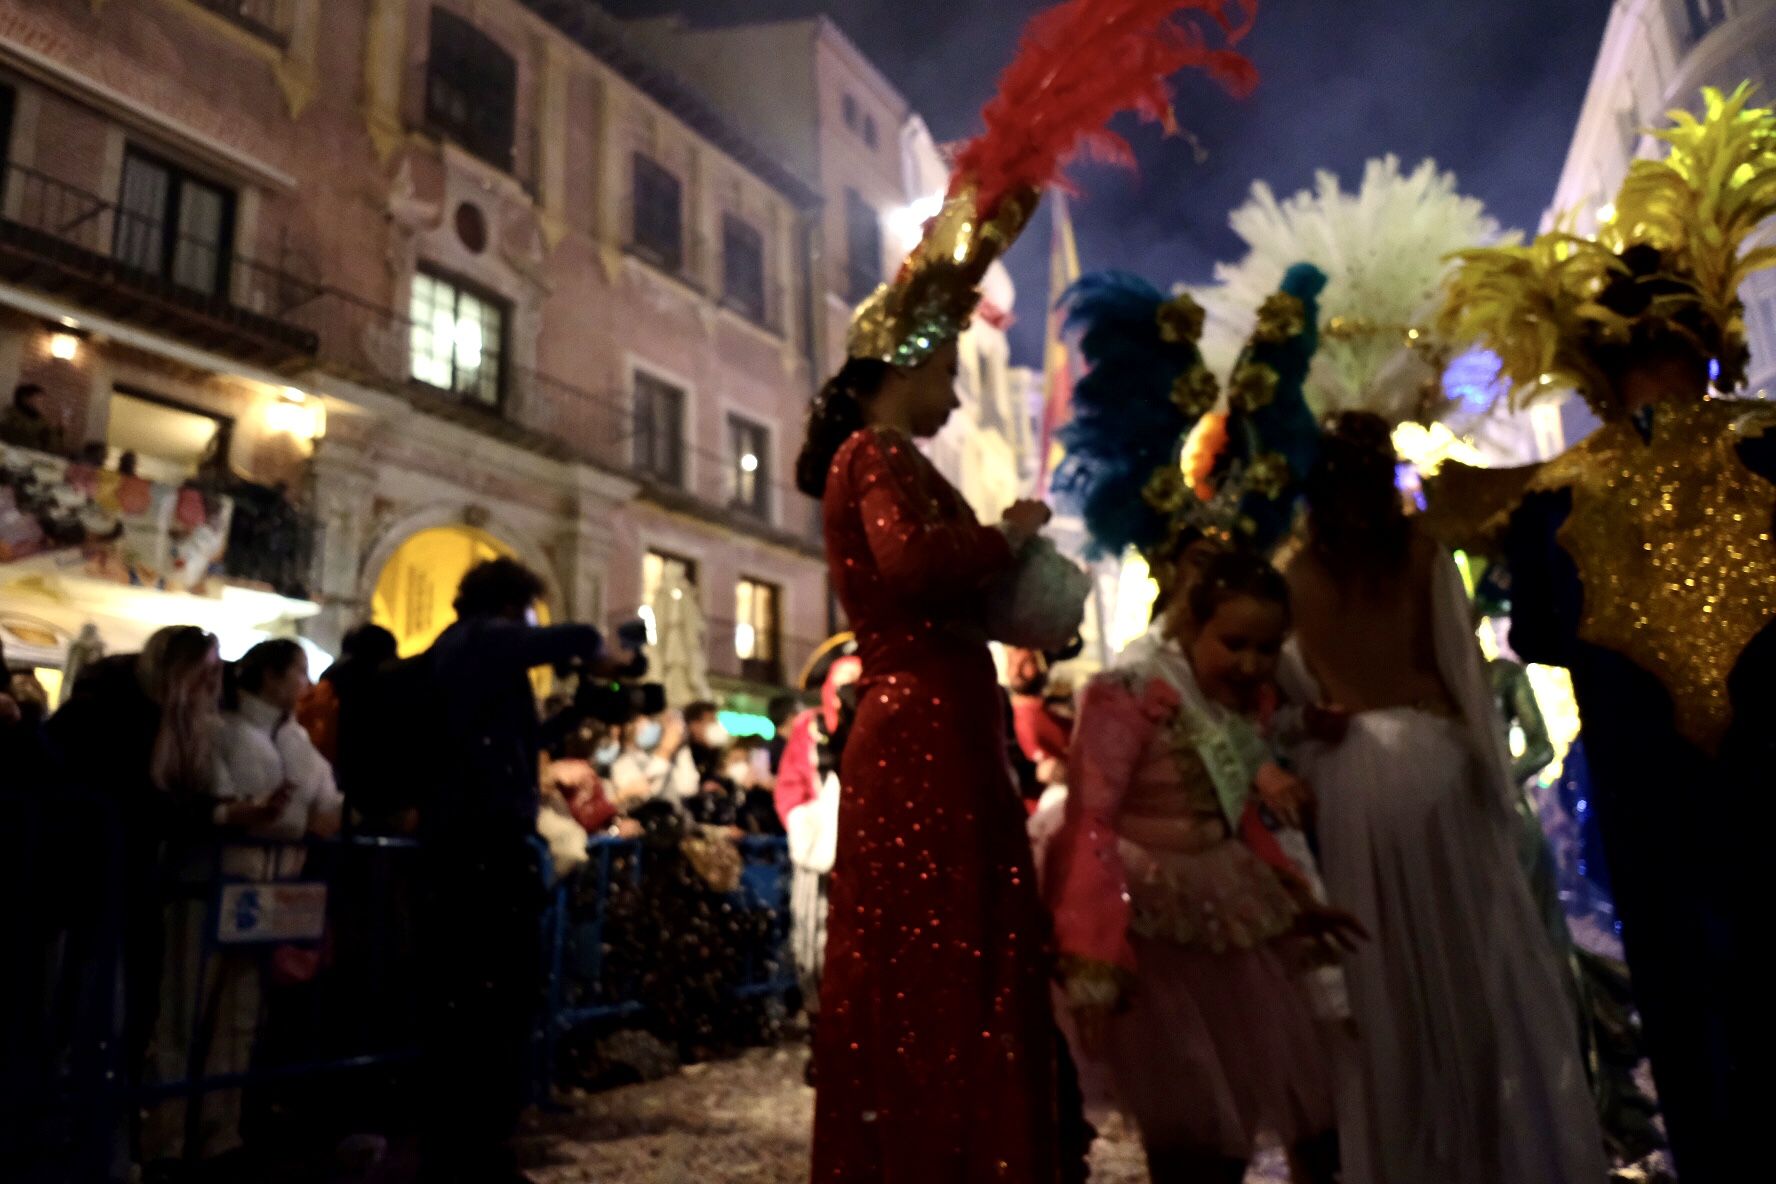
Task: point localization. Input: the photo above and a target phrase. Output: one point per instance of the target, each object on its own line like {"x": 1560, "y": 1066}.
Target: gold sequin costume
{"x": 1669, "y": 529}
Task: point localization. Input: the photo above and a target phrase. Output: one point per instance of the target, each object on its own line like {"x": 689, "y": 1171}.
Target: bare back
{"x": 1369, "y": 642}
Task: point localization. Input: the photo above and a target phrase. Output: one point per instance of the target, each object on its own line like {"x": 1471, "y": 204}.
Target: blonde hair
{"x": 171, "y": 670}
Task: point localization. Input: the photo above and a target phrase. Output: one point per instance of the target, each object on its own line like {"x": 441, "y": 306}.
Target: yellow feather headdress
{"x": 1538, "y": 305}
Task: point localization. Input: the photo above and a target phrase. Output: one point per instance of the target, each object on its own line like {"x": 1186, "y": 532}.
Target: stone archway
{"x": 411, "y": 577}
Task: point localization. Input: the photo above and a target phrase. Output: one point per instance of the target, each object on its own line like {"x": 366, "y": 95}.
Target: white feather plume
{"x": 1383, "y": 249}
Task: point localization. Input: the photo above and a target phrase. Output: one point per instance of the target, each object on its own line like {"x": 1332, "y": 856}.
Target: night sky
{"x": 1489, "y": 88}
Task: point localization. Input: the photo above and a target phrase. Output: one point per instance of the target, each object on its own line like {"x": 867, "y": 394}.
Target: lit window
{"x": 458, "y": 339}
{"x": 660, "y": 571}
{"x": 756, "y": 630}
{"x": 749, "y": 447}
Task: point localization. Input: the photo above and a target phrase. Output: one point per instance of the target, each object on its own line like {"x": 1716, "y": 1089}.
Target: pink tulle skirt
{"x": 1217, "y": 1050}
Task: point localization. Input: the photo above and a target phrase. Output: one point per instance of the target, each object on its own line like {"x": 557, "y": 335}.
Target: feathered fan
{"x": 1384, "y": 250}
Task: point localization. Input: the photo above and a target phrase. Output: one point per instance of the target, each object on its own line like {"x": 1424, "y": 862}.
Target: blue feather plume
{"x": 1285, "y": 426}
{"x": 1124, "y": 425}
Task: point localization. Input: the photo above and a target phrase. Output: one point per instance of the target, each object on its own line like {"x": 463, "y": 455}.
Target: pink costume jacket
{"x": 1147, "y": 846}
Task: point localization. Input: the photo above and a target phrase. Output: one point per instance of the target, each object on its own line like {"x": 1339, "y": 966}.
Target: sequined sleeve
{"x": 1087, "y": 887}
{"x": 925, "y": 551}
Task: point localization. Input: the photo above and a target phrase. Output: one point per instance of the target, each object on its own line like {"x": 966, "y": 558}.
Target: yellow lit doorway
{"x": 417, "y": 586}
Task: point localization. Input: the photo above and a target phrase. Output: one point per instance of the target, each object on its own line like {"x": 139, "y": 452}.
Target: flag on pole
{"x": 1057, "y": 367}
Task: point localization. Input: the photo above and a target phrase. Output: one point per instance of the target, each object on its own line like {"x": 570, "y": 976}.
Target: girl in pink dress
{"x": 1171, "y": 909}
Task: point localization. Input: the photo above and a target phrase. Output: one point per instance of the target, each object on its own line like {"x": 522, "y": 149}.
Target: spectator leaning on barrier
{"x": 268, "y": 760}
{"x": 141, "y": 729}
{"x": 483, "y": 891}
{"x": 645, "y": 769}
{"x": 697, "y": 763}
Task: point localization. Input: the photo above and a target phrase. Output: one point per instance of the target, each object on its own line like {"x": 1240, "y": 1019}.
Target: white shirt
{"x": 262, "y": 749}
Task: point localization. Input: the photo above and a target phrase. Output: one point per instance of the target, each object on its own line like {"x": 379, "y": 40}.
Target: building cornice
{"x": 603, "y": 37}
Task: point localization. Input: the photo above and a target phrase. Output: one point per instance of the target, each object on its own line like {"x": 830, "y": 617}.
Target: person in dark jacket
{"x": 338, "y": 714}
{"x": 27, "y": 423}
{"x": 482, "y": 880}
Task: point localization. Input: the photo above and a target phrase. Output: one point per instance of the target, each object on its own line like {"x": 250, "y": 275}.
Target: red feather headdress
{"x": 1079, "y": 65}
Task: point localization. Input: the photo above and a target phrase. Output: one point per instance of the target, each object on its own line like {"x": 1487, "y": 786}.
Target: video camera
{"x": 620, "y": 697}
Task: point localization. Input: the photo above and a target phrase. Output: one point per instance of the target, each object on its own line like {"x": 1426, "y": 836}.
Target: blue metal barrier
{"x": 358, "y": 1013}
{"x": 576, "y": 944}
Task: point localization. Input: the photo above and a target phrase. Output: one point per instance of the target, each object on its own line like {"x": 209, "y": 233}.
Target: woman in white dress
{"x": 1469, "y": 1069}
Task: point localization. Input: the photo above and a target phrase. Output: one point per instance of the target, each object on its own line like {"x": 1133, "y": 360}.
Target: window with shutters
{"x": 659, "y": 429}
{"x": 173, "y": 225}
{"x": 458, "y": 338}
{"x": 863, "y": 243}
{"x": 657, "y": 217}
{"x": 743, "y": 269}
{"x": 749, "y": 459}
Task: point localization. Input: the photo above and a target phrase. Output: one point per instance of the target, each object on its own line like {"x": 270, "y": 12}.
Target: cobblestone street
{"x": 743, "y": 1121}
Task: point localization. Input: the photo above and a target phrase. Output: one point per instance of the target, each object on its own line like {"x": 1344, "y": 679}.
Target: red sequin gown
{"x": 936, "y": 1047}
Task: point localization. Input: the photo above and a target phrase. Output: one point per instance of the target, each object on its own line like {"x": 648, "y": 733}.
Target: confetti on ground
{"x": 740, "y": 1121}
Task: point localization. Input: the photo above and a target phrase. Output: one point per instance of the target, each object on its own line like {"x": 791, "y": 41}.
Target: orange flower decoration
{"x": 1201, "y": 450}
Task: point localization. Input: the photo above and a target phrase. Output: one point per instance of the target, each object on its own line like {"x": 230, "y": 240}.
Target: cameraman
{"x": 482, "y": 880}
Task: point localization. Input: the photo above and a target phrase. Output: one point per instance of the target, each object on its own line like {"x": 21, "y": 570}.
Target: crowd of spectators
{"x": 166, "y": 773}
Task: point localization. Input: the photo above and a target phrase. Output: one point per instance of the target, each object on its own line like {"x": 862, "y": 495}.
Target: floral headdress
{"x": 1157, "y": 455}
{"x": 1080, "y": 63}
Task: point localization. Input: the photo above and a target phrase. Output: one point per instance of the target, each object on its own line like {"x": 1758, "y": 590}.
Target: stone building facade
{"x": 459, "y": 278}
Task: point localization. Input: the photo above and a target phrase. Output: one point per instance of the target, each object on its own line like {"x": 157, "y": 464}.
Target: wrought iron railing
{"x": 50, "y": 223}
{"x": 371, "y": 344}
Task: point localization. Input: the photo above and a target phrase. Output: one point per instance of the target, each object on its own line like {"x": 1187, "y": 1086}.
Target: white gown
{"x": 1469, "y": 1069}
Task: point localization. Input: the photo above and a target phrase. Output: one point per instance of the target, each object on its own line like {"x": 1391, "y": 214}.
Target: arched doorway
{"x": 417, "y": 586}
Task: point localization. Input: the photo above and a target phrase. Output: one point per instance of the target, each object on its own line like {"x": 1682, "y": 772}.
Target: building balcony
{"x": 111, "y": 526}
{"x": 76, "y": 246}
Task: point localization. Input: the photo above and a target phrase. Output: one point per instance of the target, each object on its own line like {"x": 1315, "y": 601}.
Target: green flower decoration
{"x": 1254, "y": 385}
{"x": 1267, "y": 475}
{"x": 1280, "y": 318}
{"x": 1180, "y": 320}
{"x": 1166, "y": 490}
{"x": 1194, "y": 392}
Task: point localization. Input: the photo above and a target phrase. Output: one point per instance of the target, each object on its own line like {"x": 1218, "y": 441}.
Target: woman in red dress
{"x": 937, "y": 1058}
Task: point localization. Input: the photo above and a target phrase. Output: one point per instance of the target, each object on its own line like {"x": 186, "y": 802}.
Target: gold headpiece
{"x": 933, "y": 298}
{"x": 1539, "y": 307}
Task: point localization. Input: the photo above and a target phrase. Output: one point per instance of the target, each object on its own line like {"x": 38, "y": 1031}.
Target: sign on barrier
{"x": 250, "y": 913}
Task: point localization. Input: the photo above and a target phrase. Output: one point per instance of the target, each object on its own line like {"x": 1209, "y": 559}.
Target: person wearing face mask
{"x": 697, "y": 771}
{"x": 642, "y": 768}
